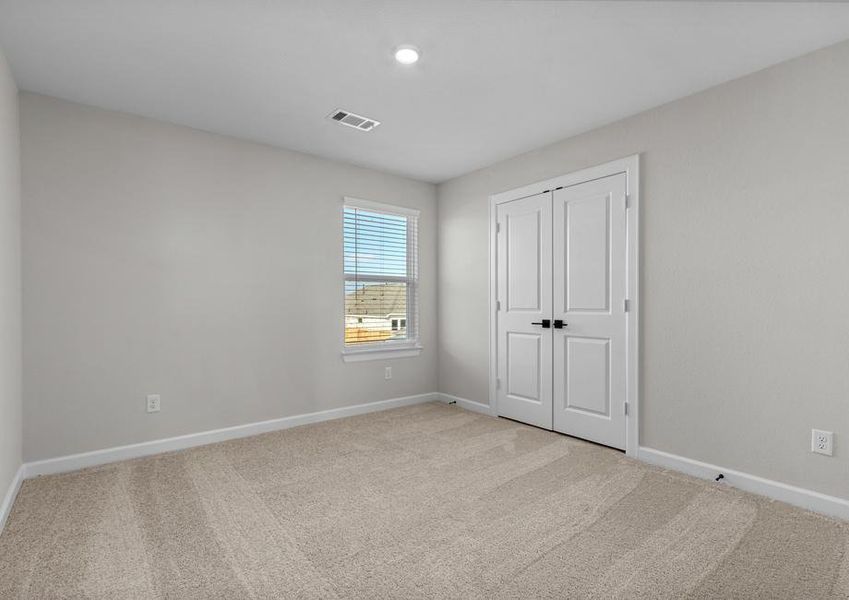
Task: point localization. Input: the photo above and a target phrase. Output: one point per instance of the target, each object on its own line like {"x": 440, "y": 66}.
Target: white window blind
{"x": 381, "y": 275}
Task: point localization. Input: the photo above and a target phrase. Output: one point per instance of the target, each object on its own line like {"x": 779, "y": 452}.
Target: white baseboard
{"x": 74, "y": 462}
{"x": 471, "y": 405}
{"x": 801, "y": 497}
{"x": 11, "y": 494}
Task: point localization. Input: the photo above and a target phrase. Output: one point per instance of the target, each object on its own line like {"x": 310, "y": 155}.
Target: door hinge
{"x": 626, "y": 305}
{"x": 498, "y": 305}
{"x": 626, "y": 409}
{"x": 498, "y": 228}
{"x": 627, "y": 201}
{"x": 498, "y": 383}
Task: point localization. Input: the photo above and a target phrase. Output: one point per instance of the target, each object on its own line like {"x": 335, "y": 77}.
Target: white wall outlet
{"x": 822, "y": 442}
{"x": 387, "y": 373}
{"x": 153, "y": 402}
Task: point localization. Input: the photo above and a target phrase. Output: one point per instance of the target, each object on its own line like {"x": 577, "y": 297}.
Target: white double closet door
{"x": 561, "y": 318}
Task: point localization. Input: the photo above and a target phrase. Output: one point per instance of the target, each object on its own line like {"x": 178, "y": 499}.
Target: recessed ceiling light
{"x": 407, "y": 55}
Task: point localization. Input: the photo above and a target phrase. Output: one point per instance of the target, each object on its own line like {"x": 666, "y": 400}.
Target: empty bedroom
{"x": 471, "y": 299}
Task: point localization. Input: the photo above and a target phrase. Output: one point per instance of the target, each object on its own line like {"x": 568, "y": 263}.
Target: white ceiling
{"x": 496, "y": 78}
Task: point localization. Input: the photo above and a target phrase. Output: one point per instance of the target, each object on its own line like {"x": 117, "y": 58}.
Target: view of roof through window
{"x": 376, "y": 276}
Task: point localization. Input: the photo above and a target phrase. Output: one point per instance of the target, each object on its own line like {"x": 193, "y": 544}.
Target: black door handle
{"x": 546, "y": 323}
{"x": 559, "y": 324}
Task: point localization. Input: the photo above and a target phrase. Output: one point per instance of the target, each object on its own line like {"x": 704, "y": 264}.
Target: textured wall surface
{"x": 10, "y": 280}
{"x": 744, "y": 247}
{"x": 161, "y": 259}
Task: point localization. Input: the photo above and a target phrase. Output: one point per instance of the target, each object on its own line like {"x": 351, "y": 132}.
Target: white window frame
{"x": 390, "y": 348}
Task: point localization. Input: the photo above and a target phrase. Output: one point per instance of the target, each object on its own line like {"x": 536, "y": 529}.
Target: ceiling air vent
{"x": 353, "y": 120}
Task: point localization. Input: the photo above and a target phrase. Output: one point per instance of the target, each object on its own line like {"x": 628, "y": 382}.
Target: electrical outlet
{"x": 153, "y": 402}
{"x": 387, "y": 373}
{"x": 822, "y": 442}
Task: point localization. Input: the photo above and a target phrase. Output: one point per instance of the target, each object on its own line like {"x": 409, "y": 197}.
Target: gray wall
{"x": 745, "y": 268}
{"x": 10, "y": 280}
{"x": 161, "y": 259}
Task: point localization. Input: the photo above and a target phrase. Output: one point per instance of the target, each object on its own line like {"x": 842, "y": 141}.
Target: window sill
{"x": 361, "y": 354}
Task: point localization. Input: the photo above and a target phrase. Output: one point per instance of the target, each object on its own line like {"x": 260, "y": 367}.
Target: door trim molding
{"x": 630, "y": 166}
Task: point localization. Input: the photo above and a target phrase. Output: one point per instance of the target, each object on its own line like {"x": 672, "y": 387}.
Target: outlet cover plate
{"x": 153, "y": 403}
{"x": 822, "y": 442}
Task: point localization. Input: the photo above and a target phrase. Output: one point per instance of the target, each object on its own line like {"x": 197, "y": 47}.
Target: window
{"x": 381, "y": 279}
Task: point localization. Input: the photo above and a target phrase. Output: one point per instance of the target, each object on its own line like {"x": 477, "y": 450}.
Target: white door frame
{"x": 630, "y": 166}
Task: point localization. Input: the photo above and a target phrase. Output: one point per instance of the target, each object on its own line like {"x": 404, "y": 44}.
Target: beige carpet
{"x": 422, "y": 502}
